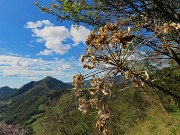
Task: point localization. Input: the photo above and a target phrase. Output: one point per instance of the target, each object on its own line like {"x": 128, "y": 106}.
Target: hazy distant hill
{"x": 6, "y": 92}
{"x": 26, "y": 101}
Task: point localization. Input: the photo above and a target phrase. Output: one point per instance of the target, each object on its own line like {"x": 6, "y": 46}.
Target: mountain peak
{"x": 5, "y": 87}
{"x": 6, "y": 92}
{"x": 46, "y": 84}
{"x": 49, "y": 78}
{"x": 53, "y": 83}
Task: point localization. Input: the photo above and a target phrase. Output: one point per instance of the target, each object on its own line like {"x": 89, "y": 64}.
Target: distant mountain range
{"x": 24, "y": 102}
{"x": 6, "y": 92}
{"x": 51, "y": 83}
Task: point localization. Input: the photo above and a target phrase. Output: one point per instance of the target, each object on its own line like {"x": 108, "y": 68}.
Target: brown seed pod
{"x": 92, "y": 91}
{"x": 90, "y": 66}
{"x": 78, "y": 92}
{"x": 85, "y": 66}
{"x": 104, "y": 92}
{"x": 94, "y": 103}
{"x": 105, "y": 132}
{"x": 127, "y": 74}
{"x": 99, "y": 125}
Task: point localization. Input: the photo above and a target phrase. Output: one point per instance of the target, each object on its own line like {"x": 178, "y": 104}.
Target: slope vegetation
{"x": 25, "y": 103}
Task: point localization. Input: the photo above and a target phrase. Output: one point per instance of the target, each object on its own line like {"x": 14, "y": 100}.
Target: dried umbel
{"x": 78, "y": 92}
{"x": 94, "y": 103}
{"x": 105, "y": 132}
{"x": 135, "y": 78}
{"x": 92, "y": 91}
{"x": 104, "y": 47}
{"x": 175, "y": 25}
{"x": 100, "y": 86}
{"x": 83, "y": 105}
{"x": 107, "y": 53}
{"x": 104, "y": 115}
{"x": 110, "y": 33}
{"x": 166, "y": 28}
{"x": 78, "y": 81}
{"x": 128, "y": 75}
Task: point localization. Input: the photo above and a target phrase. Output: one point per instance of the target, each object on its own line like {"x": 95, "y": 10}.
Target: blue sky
{"x": 34, "y": 45}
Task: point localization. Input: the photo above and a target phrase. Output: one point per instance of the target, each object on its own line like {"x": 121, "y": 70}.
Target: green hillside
{"x": 6, "y": 92}
{"x": 25, "y": 103}
{"x": 131, "y": 114}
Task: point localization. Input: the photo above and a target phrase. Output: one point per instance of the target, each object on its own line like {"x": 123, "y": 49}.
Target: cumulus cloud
{"x": 55, "y": 37}
{"x": 35, "y": 25}
{"x": 46, "y": 52}
{"x": 40, "y": 40}
{"x": 28, "y": 67}
{"x": 79, "y": 34}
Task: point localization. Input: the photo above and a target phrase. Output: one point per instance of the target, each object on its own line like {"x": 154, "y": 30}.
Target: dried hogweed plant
{"x": 109, "y": 52}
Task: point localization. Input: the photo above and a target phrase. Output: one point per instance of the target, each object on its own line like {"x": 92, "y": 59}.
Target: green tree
{"x": 151, "y": 16}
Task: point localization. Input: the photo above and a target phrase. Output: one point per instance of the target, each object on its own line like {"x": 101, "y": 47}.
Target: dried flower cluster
{"x": 104, "y": 115}
{"x": 108, "y": 50}
{"x": 83, "y": 105}
{"x": 78, "y": 81}
{"x": 99, "y": 89}
{"x": 110, "y": 33}
{"x": 105, "y": 46}
{"x": 167, "y": 28}
{"x": 100, "y": 86}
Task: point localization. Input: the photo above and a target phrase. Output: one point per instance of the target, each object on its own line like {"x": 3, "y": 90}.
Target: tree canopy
{"x": 98, "y": 12}
{"x": 153, "y": 16}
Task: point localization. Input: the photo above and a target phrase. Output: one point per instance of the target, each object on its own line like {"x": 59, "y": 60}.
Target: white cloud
{"x": 79, "y": 34}
{"x": 46, "y": 52}
{"x": 40, "y": 40}
{"x": 38, "y": 24}
{"x": 7, "y": 52}
{"x": 55, "y": 37}
{"x": 28, "y": 67}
